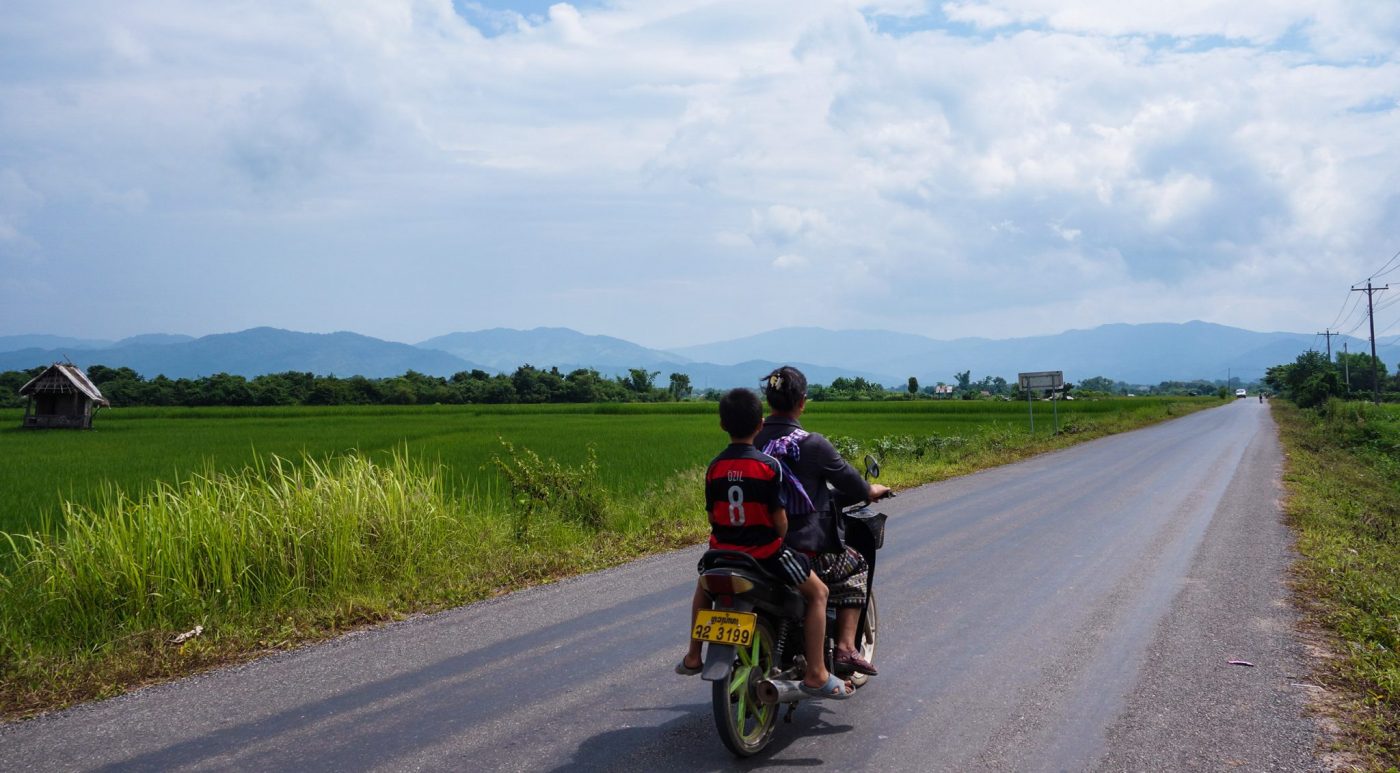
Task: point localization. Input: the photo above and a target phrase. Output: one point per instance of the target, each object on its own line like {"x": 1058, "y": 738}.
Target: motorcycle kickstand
{"x": 787, "y": 718}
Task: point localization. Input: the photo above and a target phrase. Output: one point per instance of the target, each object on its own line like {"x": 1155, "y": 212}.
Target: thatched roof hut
{"x": 61, "y": 397}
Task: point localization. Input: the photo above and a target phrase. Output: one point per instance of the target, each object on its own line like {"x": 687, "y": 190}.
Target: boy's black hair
{"x": 740, "y": 412}
{"x": 785, "y": 388}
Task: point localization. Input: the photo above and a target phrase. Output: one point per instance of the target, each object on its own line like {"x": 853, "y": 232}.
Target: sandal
{"x": 835, "y": 689}
{"x": 684, "y": 670}
{"x": 852, "y": 661}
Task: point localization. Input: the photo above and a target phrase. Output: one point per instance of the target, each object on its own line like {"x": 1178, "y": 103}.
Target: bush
{"x": 546, "y": 488}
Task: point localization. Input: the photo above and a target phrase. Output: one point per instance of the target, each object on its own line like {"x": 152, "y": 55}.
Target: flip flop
{"x": 834, "y": 689}
{"x": 684, "y": 670}
{"x": 852, "y": 661}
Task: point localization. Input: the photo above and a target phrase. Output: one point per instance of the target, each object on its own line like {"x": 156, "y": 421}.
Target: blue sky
{"x": 678, "y": 172}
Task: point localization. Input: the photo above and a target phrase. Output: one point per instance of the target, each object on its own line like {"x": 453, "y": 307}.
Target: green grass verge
{"x": 1343, "y": 480}
{"x": 273, "y": 554}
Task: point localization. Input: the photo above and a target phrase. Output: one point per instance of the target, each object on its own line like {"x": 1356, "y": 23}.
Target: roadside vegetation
{"x": 356, "y": 516}
{"x": 1343, "y": 479}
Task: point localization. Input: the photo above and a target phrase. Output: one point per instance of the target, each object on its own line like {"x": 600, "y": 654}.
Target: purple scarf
{"x": 787, "y": 452}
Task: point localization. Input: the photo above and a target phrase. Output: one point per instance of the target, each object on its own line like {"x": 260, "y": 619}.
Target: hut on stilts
{"x": 62, "y": 397}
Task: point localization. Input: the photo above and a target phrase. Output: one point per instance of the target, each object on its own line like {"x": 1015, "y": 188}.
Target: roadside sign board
{"x": 1045, "y": 379}
{"x": 1041, "y": 380}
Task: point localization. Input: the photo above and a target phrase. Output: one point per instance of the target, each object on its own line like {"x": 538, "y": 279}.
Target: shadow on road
{"x": 693, "y": 738}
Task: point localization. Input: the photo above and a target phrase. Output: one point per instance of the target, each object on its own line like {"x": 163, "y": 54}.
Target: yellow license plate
{"x": 724, "y": 627}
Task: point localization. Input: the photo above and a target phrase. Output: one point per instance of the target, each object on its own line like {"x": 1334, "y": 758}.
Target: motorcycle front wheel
{"x": 865, "y": 639}
{"x": 745, "y": 724}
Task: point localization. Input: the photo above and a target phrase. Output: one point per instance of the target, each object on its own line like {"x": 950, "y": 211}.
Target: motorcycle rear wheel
{"x": 865, "y": 639}
{"x": 745, "y": 724}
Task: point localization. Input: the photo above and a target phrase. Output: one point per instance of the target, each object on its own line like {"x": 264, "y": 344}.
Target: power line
{"x": 1350, "y": 314}
{"x": 1387, "y": 304}
{"x": 1355, "y": 299}
{"x": 1371, "y": 315}
{"x": 1387, "y": 329}
{"x": 1387, "y": 268}
{"x": 1329, "y": 335}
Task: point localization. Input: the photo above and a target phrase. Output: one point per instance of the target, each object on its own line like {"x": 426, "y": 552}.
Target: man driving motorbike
{"x": 820, "y": 533}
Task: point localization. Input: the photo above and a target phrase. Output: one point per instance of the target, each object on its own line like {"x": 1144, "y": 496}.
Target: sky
{"x": 680, "y": 172}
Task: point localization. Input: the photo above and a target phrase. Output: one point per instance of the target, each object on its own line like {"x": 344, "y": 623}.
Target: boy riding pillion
{"x": 745, "y": 501}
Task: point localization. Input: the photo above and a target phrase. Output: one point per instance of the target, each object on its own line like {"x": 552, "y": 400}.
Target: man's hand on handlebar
{"x": 878, "y": 492}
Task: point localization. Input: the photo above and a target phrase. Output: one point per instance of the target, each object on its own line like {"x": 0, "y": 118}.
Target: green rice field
{"x": 270, "y": 527}
{"x": 636, "y": 444}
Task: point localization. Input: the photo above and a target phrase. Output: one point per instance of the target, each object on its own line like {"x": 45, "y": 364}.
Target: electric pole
{"x": 1346, "y": 366}
{"x": 1329, "y": 335}
{"x": 1371, "y": 316}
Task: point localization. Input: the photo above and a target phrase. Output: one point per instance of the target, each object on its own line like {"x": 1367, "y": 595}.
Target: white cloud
{"x": 1128, "y": 160}
{"x": 782, "y": 225}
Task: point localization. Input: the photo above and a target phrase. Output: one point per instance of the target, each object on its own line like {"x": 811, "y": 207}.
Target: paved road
{"x": 1073, "y": 612}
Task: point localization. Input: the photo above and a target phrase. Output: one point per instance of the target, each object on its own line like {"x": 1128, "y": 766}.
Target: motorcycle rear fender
{"x": 719, "y": 658}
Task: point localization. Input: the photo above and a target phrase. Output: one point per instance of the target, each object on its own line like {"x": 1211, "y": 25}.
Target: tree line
{"x": 528, "y": 384}
{"x": 1312, "y": 379}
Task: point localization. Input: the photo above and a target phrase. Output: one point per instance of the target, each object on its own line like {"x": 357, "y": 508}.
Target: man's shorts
{"x": 787, "y": 565}
{"x": 846, "y": 576}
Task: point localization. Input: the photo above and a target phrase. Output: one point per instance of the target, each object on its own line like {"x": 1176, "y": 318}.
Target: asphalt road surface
{"x": 1073, "y": 612}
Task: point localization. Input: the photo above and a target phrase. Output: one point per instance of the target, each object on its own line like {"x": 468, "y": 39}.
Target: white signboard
{"x": 1045, "y": 379}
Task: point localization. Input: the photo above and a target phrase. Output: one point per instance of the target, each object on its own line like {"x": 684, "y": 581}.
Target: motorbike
{"x": 754, "y": 639}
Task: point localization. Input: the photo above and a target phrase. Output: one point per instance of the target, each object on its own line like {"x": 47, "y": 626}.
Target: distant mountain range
{"x": 252, "y": 353}
{"x": 1138, "y": 354}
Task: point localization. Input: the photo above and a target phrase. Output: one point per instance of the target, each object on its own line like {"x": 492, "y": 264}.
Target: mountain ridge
{"x": 1145, "y": 353}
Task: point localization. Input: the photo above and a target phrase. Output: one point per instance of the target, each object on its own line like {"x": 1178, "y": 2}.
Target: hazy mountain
{"x": 64, "y": 343}
{"x": 255, "y": 352}
{"x": 852, "y": 348}
{"x": 544, "y": 347}
{"x": 1147, "y": 353}
{"x": 19, "y": 342}
{"x": 154, "y": 339}
{"x": 1139, "y": 354}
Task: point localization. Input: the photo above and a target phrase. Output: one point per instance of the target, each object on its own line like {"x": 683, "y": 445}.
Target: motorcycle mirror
{"x": 872, "y": 466}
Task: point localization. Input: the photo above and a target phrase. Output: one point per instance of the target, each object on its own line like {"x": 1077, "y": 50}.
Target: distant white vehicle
{"x": 1241, "y": 393}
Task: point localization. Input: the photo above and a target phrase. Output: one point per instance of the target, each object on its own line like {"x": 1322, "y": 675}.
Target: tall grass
{"x": 1344, "y": 501}
{"x": 269, "y": 537}
{"x": 310, "y": 547}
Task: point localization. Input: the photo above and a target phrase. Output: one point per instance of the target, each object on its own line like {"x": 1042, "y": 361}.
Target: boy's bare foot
{"x": 688, "y": 667}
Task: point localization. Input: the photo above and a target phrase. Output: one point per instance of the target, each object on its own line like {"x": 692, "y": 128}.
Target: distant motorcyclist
{"x": 820, "y": 533}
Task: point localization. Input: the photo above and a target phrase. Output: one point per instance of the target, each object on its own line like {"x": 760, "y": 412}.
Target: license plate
{"x": 722, "y": 626}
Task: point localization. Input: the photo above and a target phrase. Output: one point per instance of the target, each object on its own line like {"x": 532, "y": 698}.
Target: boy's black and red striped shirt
{"x": 743, "y": 488}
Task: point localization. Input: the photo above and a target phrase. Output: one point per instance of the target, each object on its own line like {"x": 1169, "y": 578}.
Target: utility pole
{"x": 1346, "y": 366}
{"x": 1371, "y": 316}
{"x": 1329, "y": 335}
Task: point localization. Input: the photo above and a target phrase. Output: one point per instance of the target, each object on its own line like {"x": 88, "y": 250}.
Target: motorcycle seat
{"x": 733, "y": 559}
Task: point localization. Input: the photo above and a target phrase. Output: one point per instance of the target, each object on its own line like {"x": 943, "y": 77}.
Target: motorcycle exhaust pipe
{"x": 773, "y": 691}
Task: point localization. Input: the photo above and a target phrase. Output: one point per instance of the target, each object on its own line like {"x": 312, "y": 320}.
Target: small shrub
{"x": 545, "y": 488}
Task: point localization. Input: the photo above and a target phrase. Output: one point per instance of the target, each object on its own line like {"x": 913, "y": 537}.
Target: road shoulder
{"x": 1192, "y": 709}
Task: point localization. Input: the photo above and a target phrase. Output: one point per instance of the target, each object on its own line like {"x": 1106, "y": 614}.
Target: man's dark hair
{"x": 785, "y": 388}
{"x": 740, "y": 412}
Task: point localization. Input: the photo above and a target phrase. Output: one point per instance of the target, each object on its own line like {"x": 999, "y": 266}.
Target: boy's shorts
{"x": 787, "y": 565}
